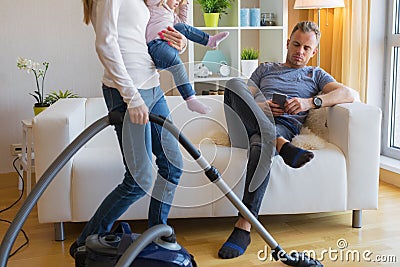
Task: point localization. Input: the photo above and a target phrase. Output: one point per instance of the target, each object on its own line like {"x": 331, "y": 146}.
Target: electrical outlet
{"x": 15, "y": 149}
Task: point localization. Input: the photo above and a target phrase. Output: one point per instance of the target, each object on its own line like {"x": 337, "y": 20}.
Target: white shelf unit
{"x": 270, "y": 40}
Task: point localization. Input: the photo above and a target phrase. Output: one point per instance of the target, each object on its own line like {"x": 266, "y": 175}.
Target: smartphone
{"x": 279, "y": 99}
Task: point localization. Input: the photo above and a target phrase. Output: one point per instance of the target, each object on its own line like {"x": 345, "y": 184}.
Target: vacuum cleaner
{"x": 153, "y": 248}
{"x": 294, "y": 259}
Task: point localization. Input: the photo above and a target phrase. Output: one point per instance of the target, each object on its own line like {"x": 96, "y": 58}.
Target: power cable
{"x": 12, "y": 205}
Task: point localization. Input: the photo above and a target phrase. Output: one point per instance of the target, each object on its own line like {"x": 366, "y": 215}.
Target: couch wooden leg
{"x": 59, "y": 231}
{"x": 357, "y": 219}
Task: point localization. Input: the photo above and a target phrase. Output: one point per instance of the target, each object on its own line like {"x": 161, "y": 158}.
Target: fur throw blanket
{"x": 314, "y": 134}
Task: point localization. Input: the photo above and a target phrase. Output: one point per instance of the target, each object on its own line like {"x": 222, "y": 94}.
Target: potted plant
{"x": 39, "y": 70}
{"x": 55, "y": 96}
{"x": 249, "y": 61}
{"x": 213, "y": 9}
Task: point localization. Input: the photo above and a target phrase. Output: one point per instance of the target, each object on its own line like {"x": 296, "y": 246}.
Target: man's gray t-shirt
{"x": 303, "y": 82}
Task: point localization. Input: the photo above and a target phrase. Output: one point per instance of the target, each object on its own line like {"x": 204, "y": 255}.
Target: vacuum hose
{"x": 46, "y": 179}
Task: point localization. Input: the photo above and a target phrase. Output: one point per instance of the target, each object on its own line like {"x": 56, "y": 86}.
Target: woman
{"x": 131, "y": 83}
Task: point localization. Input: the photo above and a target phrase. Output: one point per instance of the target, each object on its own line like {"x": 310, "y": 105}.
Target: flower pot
{"x": 211, "y": 19}
{"x": 248, "y": 67}
{"x": 37, "y": 110}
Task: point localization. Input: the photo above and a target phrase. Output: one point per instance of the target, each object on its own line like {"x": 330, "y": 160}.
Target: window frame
{"x": 392, "y": 41}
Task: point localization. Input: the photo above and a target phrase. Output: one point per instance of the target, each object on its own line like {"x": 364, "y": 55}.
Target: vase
{"x": 248, "y": 67}
{"x": 211, "y": 19}
{"x": 37, "y": 110}
{"x": 254, "y": 17}
{"x": 244, "y": 17}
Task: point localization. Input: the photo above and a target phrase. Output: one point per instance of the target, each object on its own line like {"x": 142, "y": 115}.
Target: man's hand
{"x": 296, "y": 105}
{"x": 274, "y": 107}
{"x": 139, "y": 114}
{"x": 174, "y": 38}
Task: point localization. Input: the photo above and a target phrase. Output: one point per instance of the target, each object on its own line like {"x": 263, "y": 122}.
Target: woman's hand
{"x": 174, "y": 38}
{"x": 139, "y": 114}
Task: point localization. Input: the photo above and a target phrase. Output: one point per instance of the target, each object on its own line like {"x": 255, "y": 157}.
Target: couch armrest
{"x": 356, "y": 129}
{"x": 53, "y": 130}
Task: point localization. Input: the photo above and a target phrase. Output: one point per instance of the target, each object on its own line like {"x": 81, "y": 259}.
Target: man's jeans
{"x": 252, "y": 197}
{"x": 137, "y": 142}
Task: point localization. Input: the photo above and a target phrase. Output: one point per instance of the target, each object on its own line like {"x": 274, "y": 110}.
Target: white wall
{"x": 50, "y": 30}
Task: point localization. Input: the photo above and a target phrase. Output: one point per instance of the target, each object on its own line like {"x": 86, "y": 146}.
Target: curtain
{"x": 344, "y": 43}
{"x": 355, "y": 45}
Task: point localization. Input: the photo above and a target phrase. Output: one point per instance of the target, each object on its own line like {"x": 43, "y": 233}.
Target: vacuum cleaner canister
{"x": 106, "y": 249}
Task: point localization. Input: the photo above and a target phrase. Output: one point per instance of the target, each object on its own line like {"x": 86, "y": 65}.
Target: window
{"x": 391, "y": 130}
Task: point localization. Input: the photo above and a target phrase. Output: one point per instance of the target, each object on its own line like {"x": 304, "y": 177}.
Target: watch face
{"x": 317, "y": 102}
{"x": 224, "y": 70}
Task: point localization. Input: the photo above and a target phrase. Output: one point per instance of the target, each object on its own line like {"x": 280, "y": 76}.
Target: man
{"x": 306, "y": 88}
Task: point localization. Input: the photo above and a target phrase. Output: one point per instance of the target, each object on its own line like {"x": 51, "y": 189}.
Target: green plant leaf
{"x": 215, "y": 6}
{"x": 249, "y": 54}
{"x": 54, "y": 96}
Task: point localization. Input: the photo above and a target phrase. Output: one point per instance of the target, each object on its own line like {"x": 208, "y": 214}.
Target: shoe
{"x": 79, "y": 254}
{"x": 80, "y": 257}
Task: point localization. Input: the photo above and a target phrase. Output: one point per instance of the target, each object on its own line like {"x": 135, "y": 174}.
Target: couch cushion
{"x": 195, "y": 191}
{"x": 212, "y": 124}
{"x": 95, "y": 172}
{"x": 320, "y": 185}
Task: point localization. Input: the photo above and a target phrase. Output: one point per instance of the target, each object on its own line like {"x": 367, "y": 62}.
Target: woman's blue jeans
{"x": 167, "y": 58}
{"x": 136, "y": 143}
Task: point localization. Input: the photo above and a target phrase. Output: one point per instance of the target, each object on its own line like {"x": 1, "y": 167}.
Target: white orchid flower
{"x": 29, "y": 65}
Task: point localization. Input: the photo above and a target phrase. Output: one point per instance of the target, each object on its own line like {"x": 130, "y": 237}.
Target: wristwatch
{"x": 317, "y": 101}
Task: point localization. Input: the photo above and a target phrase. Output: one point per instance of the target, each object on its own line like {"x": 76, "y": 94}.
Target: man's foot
{"x": 236, "y": 244}
{"x": 195, "y": 105}
{"x": 214, "y": 40}
{"x": 294, "y": 156}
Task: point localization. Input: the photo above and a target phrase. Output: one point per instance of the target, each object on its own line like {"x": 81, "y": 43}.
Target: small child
{"x": 162, "y": 14}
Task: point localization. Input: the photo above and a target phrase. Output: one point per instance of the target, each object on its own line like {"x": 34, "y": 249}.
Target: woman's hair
{"x": 87, "y": 10}
{"x": 307, "y": 26}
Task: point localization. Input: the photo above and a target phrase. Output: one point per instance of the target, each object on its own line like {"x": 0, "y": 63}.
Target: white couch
{"x": 342, "y": 176}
